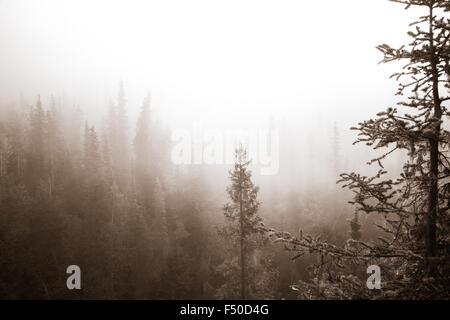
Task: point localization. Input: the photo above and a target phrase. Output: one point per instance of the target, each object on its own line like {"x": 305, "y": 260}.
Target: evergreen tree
{"x": 413, "y": 254}
{"x": 36, "y": 159}
{"x": 355, "y": 227}
{"x": 121, "y": 149}
{"x": 415, "y": 126}
{"x": 142, "y": 150}
{"x": 242, "y": 212}
{"x": 13, "y": 146}
{"x": 160, "y": 223}
{"x": 74, "y": 133}
{"x": 56, "y": 150}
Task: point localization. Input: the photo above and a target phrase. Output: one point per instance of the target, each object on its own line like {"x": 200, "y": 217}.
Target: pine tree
{"x": 419, "y": 132}
{"x": 36, "y": 160}
{"x": 95, "y": 189}
{"x": 121, "y": 114}
{"x": 121, "y": 151}
{"x": 160, "y": 227}
{"x": 56, "y": 149}
{"x": 413, "y": 254}
{"x": 13, "y": 152}
{"x": 142, "y": 153}
{"x": 74, "y": 132}
{"x": 355, "y": 227}
{"x": 107, "y": 162}
{"x": 415, "y": 126}
{"x": 242, "y": 211}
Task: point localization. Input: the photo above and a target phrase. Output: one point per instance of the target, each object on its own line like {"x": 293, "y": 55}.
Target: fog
{"x": 304, "y": 71}
{"x": 207, "y": 63}
{"x": 290, "y": 58}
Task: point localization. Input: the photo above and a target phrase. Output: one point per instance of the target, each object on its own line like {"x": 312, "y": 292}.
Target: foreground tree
{"x": 414, "y": 207}
{"x": 241, "y": 212}
{"x": 419, "y": 131}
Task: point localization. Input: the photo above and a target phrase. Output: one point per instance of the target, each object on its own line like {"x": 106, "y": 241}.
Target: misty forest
{"x": 101, "y": 191}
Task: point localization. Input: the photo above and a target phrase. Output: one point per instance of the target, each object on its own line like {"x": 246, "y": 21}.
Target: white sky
{"x": 295, "y": 58}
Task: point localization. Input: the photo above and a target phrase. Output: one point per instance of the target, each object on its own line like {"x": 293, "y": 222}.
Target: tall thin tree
{"x": 242, "y": 212}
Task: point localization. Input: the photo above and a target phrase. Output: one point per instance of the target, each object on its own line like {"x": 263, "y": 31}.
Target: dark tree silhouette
{"x": 242, "y": 211}
{"x": 413, "y": 207}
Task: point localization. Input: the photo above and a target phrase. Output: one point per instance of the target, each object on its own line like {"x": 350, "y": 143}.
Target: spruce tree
{"x": 414, "y": 125}
{"x": 242, "y": 212}
{"x": 160, "y": 227}
{"x": 121, "y": 146}
{"x": 355, "y": 227}
{"x": 142, "y": 153}
{"x": 413, "y": 207}
{"x": 35, "y": 162}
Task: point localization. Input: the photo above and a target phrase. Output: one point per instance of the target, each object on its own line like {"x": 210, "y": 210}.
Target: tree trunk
{"x": 241, "y": 215}
{"x": 434, "y": 156}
